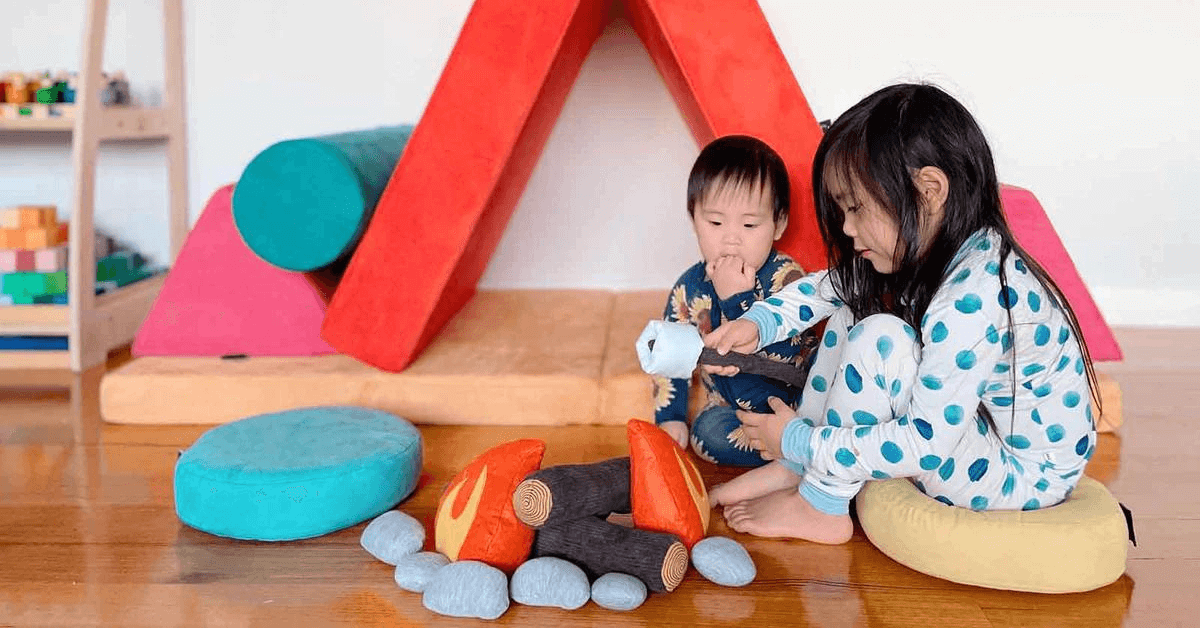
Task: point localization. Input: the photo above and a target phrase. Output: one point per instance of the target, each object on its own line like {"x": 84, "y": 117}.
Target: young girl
{"x": 949, "y": 356}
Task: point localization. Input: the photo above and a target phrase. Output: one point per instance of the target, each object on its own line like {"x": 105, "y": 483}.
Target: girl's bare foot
{"x": 785, "y": 513}
{"x": 754, "y": 483}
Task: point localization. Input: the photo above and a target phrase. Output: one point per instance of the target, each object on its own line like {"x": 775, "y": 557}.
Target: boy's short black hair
{"x": 739, "y": 160}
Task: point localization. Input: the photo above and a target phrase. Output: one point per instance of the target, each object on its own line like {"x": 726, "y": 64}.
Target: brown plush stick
{"x": 754, "y": 364}
{"x": 570, "y": 491}
{"x": 657, "y": 559}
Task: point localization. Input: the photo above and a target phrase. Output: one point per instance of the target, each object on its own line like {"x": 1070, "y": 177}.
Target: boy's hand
{"x": 765, "y": 431}
{"x": 740, "y": 336}
{"x": 730, "y": 275}
{"x": 678, "y": 430}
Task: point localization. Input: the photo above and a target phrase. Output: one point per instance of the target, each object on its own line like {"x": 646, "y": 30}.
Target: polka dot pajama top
{"x": 880, "y": 404}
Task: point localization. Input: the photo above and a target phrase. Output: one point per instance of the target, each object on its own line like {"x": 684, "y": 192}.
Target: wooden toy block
{"x": 37, "y": 216}
{"x": 12, "y": 238}
{"x": 34, "y": 284}
{"x": 10, "y": 218}
{"x": 50, "y": 260}
{"x": 42, "y": 237}
{"x": 17, "y": 260}
{"x": 465, "y": 167}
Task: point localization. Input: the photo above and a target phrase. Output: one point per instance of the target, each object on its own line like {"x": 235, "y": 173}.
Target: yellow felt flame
{"x": 699, "y": 495}
{"x": 451, "y": 530}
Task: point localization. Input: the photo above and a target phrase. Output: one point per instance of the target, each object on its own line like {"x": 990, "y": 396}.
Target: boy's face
{"x": 736, "y": 222}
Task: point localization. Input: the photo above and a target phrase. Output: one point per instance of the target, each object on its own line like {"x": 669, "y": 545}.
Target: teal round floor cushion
{"x": 297, "y": 474}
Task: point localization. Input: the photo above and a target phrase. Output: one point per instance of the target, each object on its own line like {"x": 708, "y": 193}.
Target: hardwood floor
{"x": 89, "y": 537}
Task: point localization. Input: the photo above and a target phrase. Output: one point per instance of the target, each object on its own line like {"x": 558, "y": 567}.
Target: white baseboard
{"x": 1143, "y": 307}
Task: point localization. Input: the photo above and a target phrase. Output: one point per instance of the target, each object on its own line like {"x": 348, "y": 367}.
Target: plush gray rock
{"x": 392, "y": 536}
{"x": 618, "y": 592}
{"x": 467, "y": 588}
{"x": 549, "y": 581}
{"x": 414, "y": 571}
{"x": 723, "y": 561}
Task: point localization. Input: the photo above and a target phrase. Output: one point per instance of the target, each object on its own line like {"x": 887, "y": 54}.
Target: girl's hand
{"x": 740, "y": 336}
{"x": 765, "y": 431}
{"x": 730, "y": 275}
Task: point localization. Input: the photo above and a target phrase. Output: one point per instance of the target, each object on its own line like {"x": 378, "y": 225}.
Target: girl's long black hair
{"x": 879, "y": 144}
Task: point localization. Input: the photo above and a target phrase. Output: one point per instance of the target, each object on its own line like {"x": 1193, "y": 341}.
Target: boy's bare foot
{"x": 785, "y": 513}
{"x": 754, "y": 483}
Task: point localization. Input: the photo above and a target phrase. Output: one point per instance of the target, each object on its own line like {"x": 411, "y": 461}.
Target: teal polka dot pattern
{"x": 880, "y": 382}
{"x": 1062, "y": 363}
{"x": 1071, "y": 399}
{"x": 776, "y": 301}
{"x": 910, "y": 332}
{"x": 819, "y": 384}
{"x": 939, "y": 332}
{"x": 923, "y": 428}
{"x": 879, "y": 475}
{"x": 830, "y": 338}
{"x": 931, "y": 382}
{"x": 1016, "y": 441}
{"x": 969, "y": 304}
{"x": 807, "y": 288}
{"x": 853, "y": 379}
{"x": 855, "y": 332}
{"x": 1063, "y": 335}
{"x": 1032, "y": 504}
{"x": 1010, "y": 482}
{"x": 953, "y": 414}
{"x": 806, "y": 313}
{"x": 977, "y": 470}
{"x": 944, "y": 500}
{"x": 1035, "y": 301}
{"x": 1043, "y": 390}
{"x": 845, "y": 457}
{"x": 1020, "y": 266}
{"x": 833, "y": 418}
{"x": 992, "y": 267}
{"x": 859, "y": 432}
{"x": 1081, "y": 446}
{"x": 992, "y": 334}
{"x": 1041, "y": 335}
{"x": 979, "y": 502}
{"x": 862, "y": 417}
{"x": 1032, "y": 369}
{"x": 962, "y": 275}
{"x": 891, "y": 452}
{"x": 1042, "y": 485}
{"x": 930, "y": 462}
{"x": 946, "y": 470}
{"x": 1008, "y": 297}
{"x": 965, "y": 359}
{"x": 895, "y": 389}
{"x": 884, "y": 346}
{"x": 1036, "y": 416}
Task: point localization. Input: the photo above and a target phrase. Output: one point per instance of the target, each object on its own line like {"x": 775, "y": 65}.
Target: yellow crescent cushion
{"x": 475, "y": 518}
{"x": 1078, "y": 545}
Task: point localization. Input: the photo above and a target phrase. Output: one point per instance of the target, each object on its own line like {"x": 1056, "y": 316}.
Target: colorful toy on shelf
{"x": 42, "y": 95}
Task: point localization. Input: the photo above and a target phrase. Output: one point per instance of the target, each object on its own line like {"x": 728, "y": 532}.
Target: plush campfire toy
{"x": 502, "y": 509}
{"x": 569, "y": 506}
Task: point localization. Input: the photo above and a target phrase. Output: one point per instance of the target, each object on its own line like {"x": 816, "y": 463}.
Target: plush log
{"x": 566, "y": 492}
{"x": 657, "y": 559}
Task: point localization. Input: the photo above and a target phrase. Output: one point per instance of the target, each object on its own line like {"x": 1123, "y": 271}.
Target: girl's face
{"x": 736, "y": 221}
{"x": 873, "y": 230}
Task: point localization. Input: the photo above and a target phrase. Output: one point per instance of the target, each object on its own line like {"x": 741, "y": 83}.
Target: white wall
{"x": 1091, "y": 105}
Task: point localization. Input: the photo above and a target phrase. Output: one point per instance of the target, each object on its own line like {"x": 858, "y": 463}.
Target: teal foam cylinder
{"x": 304, "y": 204}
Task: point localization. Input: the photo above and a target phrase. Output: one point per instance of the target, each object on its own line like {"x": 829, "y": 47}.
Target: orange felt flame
{"x": 475, "y": 518}
{"x": 666, "y": 489}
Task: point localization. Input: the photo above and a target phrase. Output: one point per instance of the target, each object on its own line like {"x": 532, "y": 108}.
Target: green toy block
{"x": 34, "y": 283}
{"x": 118, "y": 264}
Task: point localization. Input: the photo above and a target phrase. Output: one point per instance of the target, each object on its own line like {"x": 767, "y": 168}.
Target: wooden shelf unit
{"x": 93, "y": 324}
